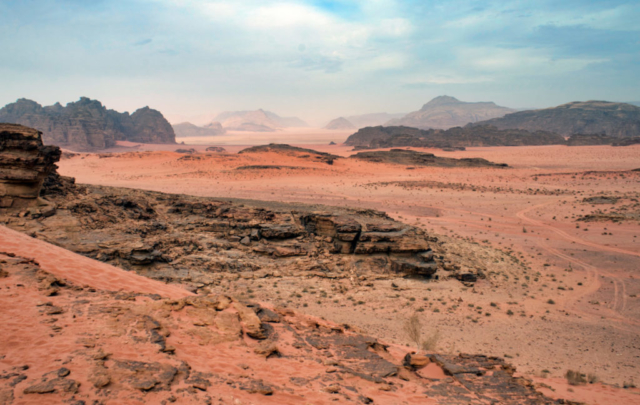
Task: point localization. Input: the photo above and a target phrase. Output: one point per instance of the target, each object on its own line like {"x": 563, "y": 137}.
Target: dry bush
{"x": 575, "y": 377}
{"x": 431, "y": 342}
{"x": 413, "y": 329}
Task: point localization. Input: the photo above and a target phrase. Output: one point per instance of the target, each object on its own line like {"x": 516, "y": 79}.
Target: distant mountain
{"x": 187, "y": 129}
{"x": 372, "y": 120}
{"x": 636, "y": 103}
{"x": 87, "y": 124}
{"x": 457, "y": 137}
{"x": 618, "y": 120}
{"x": 445, "y": 112}
{"x": 258, "y": 120}
{"x": 340, "y": 124}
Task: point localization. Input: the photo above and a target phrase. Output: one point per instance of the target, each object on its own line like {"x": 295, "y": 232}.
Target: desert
{"x": 319, "y": 202}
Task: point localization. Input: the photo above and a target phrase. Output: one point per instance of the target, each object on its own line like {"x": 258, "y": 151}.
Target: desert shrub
{"x": 575, "y": 377}
{"x": 431, "y": 342}
{"x": 413, "y": 329}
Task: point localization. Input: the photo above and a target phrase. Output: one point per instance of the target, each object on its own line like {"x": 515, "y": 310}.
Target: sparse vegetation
{"x": 414, "y": 330}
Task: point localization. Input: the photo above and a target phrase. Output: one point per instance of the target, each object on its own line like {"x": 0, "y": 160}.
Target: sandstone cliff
{"x": 24, "y": 165}
{"x": 618, "y": 120}
{"x": 87, "y": 125}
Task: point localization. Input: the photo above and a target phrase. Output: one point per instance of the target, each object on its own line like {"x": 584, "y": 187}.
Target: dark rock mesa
{"x": 87, "y": 125}
{"x": 394, "y": 137}
{"x": 618, "y": 120}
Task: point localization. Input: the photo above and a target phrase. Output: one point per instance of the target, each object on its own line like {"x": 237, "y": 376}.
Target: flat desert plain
{"x": 557, "y": 234}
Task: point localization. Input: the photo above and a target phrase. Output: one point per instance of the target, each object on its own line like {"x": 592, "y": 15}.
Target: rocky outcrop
{"x": 392, "y": 137}
{"x": 201, "y": 241}
{"x": 289, "y": 150}
{"x": 340, "y": 123}
{"x": 445, "y": 112}
{"x": 25, "y": 163}
{"x": 149, "y": 126}
{"x": 187, "y": 129}
{"x": 88, "y": 125}
{"x": 618, "y": 120}
{"x": 413, "y": 158}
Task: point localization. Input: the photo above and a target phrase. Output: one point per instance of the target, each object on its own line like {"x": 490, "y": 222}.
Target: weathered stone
{"x": 24, "y": 164}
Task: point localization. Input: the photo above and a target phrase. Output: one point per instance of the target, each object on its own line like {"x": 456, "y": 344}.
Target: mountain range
{"x": 86, "y": 124}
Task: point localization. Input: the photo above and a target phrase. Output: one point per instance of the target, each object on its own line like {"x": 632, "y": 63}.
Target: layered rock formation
{"x": 340, "y": 123}
{"x": 87, "y": 124}
{"x": 618, "y": 120}
{"x": 444, "y": 112}
{"x": 389, "y": 137}
{"x": 187, "y": 129}
{"x": 413, "y": 158}
{"x": 24, "y": 165}
{"x": 258, "y": 121}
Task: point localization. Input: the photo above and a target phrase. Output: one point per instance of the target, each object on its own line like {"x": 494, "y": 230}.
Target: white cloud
{"x": 521, "y": 62}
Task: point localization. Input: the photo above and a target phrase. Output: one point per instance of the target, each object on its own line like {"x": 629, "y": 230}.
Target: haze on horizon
{"x": 317, "y": 59}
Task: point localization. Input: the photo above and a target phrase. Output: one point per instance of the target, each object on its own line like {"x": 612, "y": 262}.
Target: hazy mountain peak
{"x": 446, "y": 112}
{"x": 441, "y": 100}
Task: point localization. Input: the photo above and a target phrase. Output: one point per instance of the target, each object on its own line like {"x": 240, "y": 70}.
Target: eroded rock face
{"x": 25, "y": 163}
{"x": 203, "y": 241}
{"x": 88, "y": 125}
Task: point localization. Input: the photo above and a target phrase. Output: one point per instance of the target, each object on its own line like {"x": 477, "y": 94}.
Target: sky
{"x": 317, "y": 59}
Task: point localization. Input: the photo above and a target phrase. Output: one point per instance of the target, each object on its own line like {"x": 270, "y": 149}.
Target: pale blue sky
{"x": 317, "y": 58}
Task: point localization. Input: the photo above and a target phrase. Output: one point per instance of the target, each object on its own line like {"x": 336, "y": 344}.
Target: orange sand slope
{"x": 81, "y": 270}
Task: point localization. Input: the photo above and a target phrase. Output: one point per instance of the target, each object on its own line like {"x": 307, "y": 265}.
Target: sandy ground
{"x": 571, "y": 303}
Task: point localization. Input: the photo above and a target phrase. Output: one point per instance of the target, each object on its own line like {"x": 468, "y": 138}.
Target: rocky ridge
{"x": 413, "y": 158}
{"x": 87, "y": 125}
{"x": 618, "y": 120}
{"x": 393, "y": 137}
